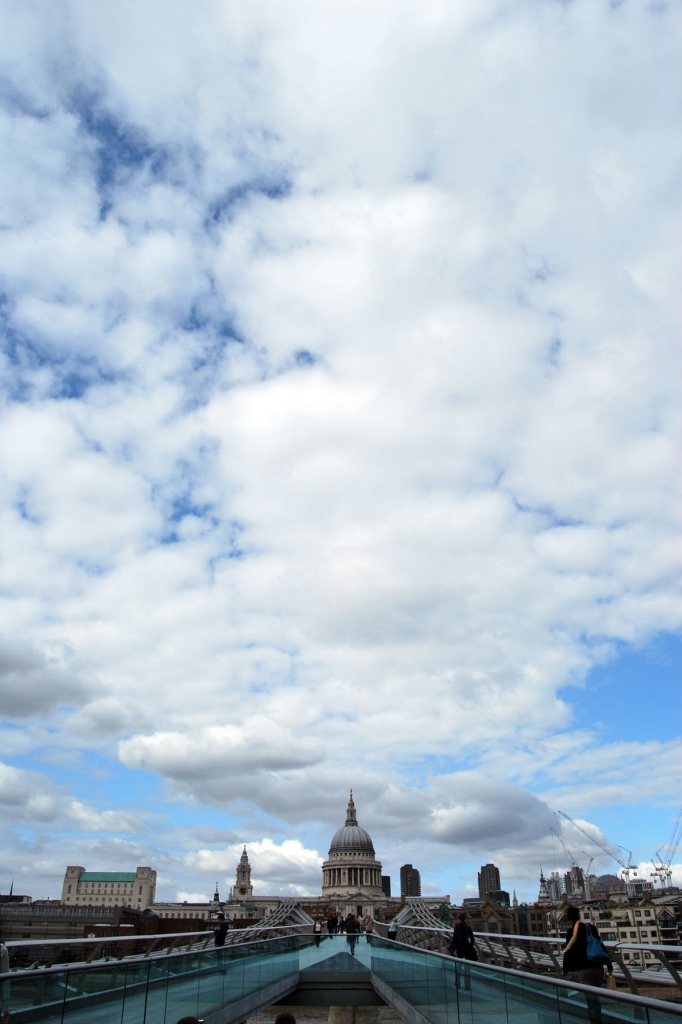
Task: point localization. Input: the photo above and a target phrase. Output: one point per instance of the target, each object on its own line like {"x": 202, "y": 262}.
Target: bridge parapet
{"x": 542, "y": 955}
{"x": 229, "y": 984}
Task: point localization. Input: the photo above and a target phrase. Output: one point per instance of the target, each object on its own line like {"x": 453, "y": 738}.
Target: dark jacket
{"x": 352, "y": 927}
{"x": 576, "y": 958}
{"x": 462, "y": 936}
{"x": 220, "y": 932}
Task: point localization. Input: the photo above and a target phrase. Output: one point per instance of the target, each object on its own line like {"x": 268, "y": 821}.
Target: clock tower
{"x": 243, "y": 890}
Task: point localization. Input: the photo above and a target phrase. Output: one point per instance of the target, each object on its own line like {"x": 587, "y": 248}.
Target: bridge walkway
{"x": 228, "y": 985}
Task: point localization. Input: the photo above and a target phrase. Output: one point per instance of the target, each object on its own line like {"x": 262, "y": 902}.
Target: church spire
{"x": 243, "y": 886}
{"x": 351, "y": 818}
{"x": 543, "y": 895}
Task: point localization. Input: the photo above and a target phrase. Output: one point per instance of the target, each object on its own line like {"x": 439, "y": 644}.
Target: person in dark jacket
{"x": 352, "y": 930}
{"x": 575, "y": 952}
{"x": 463, "y": 944}
{"x": 576, "y": 962}
{"x": 220, "y": 930}
{"x": 4, "y": 985}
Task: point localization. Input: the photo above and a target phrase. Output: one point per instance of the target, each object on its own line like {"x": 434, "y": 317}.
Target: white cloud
{"x": 284, "y": 866}
{"x": 107, "y": 716}
{"x": 191, "y": 897}
{"x": 221, "y": 752}
{"x": 339, "y": 416}
{"x": 31, "y": 798}
{"x": 91, "y": 820}
{"x": 31, "y": 682}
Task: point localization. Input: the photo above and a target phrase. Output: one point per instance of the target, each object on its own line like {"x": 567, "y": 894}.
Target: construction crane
{"x": 662, "y": 870}
{"x": 572, "y": 861}
{"x": 628, "y": 868}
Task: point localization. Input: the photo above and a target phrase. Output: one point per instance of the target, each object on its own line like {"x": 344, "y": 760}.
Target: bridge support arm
{"x": 405, "y": 1009}
{"x": 244, "y": 1008}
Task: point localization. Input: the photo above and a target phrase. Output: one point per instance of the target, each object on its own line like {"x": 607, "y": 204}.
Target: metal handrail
{"x": 625, "y": 997}
{"x": 630, "y": 972}
{"x": 544, "y": 938}
{"x": 556, "y": 983}
{"x": 140, "y": 958}
{"x": 15, "y": 943}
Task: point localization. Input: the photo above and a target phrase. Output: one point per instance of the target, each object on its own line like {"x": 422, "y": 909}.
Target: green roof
{"x": 107, "y": 876}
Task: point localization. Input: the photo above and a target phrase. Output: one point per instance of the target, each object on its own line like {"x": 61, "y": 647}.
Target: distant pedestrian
{"x": 4, "y": 985}
{"x": 369, "y": 928}
{"x": 317, "y": 931}
{"x": 393, "y": 930}
{"x": 220, "y": 930}
{"x": 462, "y": 943}
{"x": 352, "y": 931}
{"x": 342, "y": 925}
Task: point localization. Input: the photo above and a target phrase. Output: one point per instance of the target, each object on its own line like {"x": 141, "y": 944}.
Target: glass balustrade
{"x": 161, "y": 990}
{"x": 449, "y": 991}
{"x": 152, "y": 991}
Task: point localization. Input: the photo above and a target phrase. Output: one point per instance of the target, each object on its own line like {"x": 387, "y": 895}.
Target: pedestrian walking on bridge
{"x": 352, "y": 930}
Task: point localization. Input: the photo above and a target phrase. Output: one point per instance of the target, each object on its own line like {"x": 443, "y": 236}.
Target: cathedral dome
{"x": 351, "y": 837}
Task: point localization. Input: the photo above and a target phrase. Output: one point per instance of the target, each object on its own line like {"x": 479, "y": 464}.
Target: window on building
{"x": 633, "y": 935}
{"x": 638, "y": 913}
{"x": 644, "y": 935}
{"x": 647, "y": 913}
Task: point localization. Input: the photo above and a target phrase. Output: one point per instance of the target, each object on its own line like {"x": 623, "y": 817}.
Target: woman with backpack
{"x": 585, "y": 956}
{"x": 587, "y": 963}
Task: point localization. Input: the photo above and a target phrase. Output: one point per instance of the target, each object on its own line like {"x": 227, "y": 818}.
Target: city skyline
{"x": 339, "y": 437}
{"x": 489, "y": 871}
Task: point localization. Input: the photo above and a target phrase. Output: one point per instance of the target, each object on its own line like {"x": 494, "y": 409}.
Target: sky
{"x": 339, "y": 437}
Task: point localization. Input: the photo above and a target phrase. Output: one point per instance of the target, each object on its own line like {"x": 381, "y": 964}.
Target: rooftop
{"x": 107, "y": 876}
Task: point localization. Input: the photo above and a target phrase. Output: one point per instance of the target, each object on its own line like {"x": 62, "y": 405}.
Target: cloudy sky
{"x": 339, "y": 436}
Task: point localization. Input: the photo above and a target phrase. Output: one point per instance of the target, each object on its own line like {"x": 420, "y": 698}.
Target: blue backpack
{"x": 596, "y": 951}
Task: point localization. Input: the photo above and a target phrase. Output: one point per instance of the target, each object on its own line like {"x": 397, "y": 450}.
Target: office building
{"x": 410, "y": 881}
{"x": 488, "y": 879}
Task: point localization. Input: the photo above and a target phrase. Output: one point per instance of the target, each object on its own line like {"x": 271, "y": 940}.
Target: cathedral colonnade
{"x": 352, "y": 876}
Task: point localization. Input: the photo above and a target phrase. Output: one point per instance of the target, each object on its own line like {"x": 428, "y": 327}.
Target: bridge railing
{"x": 446, "y": 989}
{"x": 197, "y": 978}
{"x": 47, "y": 953}
{"x": 542, "y": 955}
